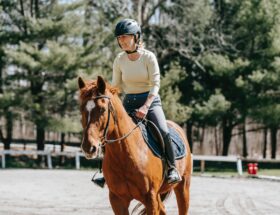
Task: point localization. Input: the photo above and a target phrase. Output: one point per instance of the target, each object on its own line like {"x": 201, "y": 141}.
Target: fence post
{"x": 202, "y": 166}
{"x": 77, "y": 158}
{"x": 239, "y": 166}
{"x": 3, "y": 160}
{"x": 49, "y": 159}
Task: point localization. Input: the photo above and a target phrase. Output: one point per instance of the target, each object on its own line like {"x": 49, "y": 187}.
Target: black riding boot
{"x": 173, "y": 175}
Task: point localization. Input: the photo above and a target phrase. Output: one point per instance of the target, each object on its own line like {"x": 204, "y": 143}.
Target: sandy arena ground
{"x": 61, "y": 192}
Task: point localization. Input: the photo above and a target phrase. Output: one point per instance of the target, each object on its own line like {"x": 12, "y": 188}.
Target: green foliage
{"x": 268, "y": 115}
{"x": 6, "y": 101}
{"x": 66, "y": 124}
{"x": 212, "y": 110}
{"x": 171, "y": 95}
{"x": 275, "y": 43}
{"x": 46, "y": 59}
{"x": 221, "y": 65}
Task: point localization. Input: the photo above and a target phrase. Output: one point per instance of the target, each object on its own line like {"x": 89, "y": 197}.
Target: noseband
{"x": 104, "y": 139}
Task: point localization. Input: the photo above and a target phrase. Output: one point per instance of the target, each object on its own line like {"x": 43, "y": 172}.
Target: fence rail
{"x": 203, "y": 158}
{"x": 48, "y": 154}
{"x": 77, "y": 155}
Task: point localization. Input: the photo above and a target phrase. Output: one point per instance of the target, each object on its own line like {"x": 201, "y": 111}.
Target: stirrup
{"x": 99, "y": 182}
{"x": 173, "y": 176}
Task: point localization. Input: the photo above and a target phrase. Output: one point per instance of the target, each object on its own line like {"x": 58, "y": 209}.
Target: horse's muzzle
{"x": 90, "y": 152}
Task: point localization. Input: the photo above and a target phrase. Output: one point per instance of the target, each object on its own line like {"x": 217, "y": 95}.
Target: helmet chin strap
{"x": 131, "y": 52}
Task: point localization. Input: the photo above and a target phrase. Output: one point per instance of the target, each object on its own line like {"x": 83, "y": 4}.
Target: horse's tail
{"x": 163, "y": 197}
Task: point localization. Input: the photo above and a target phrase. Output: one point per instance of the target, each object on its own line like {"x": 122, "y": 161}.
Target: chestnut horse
{"x": 130, "y": 168}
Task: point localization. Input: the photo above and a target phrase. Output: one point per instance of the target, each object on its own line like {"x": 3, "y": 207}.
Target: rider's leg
{"x": 156, "y": 115}
{"x": 173, "y": 175}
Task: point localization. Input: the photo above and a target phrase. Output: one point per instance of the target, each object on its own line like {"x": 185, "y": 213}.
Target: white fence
{"x": 203, "y": 158}
{"x": 77, "y": 155}
{"x": 48, "y": 155}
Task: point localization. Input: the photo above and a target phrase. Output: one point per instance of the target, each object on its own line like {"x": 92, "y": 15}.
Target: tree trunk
{"x": 1, "y": 70}
{"x": 216, "y": 141}
{"x": 273, "y": 133}
{"x": 9, "y": 130}
{"x": 220, "y": 8}
{"x": 202, "y": 141}
{"x": 9, "y": 118}
{"x": 31, "y": 8}
{"x": 244, "y": 138}
{"x": 62, "y": 144}
{"x": 264, "y": 142}
{"x": 189, "y": 134}
{"x": 23, "y": 17}
{"x": 40, "y": 137}
{"x": 36, "y": 91}
{"x": 36, "y": 8}
{"x": 1, "y": 82}
{"x": 227, "y": 129}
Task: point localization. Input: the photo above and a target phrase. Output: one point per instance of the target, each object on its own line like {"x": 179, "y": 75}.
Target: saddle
{"x": 154, "y": 139}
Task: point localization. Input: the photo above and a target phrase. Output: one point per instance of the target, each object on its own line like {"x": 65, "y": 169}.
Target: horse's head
{"x": 95, "y": 103}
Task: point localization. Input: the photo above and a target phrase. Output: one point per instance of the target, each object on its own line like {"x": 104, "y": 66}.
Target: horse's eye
{"x": 102, "y": 110}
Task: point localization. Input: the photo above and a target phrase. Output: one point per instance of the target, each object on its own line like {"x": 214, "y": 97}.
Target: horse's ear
{"x": 101, "y": 85}
{"x": 81, "y": 83}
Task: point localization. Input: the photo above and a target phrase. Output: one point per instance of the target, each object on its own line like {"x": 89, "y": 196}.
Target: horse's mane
{"x": 90, "y": 89}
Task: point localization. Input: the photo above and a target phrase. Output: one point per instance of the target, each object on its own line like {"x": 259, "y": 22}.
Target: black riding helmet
{"x": 128, "y": 27}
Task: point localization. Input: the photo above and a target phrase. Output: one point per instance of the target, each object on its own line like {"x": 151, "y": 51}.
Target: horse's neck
{"x": 124, "y": 122}
{"x": 124, "y": 126}
{"x": 116, "y": 153}
{"x": 131, "y": 151}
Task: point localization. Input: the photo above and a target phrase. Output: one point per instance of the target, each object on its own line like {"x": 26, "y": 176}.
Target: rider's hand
{"x": 142, "y": 111}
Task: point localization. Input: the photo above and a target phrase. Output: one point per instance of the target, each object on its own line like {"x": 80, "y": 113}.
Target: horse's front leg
{"x": 119, "y": 205}
{"x": 182, "y": 191}
{"x": 154, "y": 205}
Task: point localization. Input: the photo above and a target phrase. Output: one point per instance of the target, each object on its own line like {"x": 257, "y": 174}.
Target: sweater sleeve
{"x": 117, "y": 74}
{"x": 154, "y": 74}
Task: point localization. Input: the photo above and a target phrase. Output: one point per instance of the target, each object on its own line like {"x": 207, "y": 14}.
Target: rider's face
{"x": 126, "y": 42}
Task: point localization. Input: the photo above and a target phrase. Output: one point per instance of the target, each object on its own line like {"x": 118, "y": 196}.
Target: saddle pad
{"x": 178, "y": 144}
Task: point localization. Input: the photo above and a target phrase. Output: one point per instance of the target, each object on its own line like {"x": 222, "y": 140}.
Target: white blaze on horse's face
{"x": 91, "y": 151}
{"x": 90, "y": 105}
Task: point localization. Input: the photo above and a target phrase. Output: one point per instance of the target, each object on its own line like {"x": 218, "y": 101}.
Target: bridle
{"x": 104, "y": 139}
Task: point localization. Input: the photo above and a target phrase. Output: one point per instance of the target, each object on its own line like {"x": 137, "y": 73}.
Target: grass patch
{"x": 269, "y": 172}
{"x": 30, "y": 162}
{"x": 230, "y": 173}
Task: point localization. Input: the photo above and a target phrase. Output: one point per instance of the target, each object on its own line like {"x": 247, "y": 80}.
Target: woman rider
{"x": 136, "y": 73}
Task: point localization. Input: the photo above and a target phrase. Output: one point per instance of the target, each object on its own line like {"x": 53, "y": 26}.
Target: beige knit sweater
{"x": 141, "y": 75}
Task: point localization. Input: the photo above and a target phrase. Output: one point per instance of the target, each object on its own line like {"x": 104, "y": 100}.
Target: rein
{"x": 104, "y": 139}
